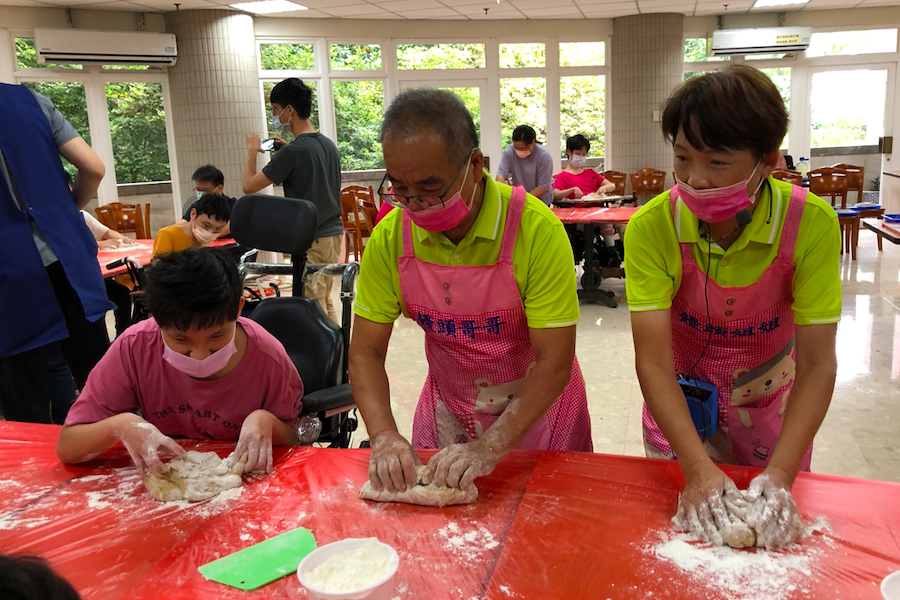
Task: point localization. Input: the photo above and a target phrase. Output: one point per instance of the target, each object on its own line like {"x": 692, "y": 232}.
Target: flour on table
{"x": 470, "y": 544}
{"x": 755, "y": 574}
{"x": 195, "y": 476}
{"x": 353, "y": 570}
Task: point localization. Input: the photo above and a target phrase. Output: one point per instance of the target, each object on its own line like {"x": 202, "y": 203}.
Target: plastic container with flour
{"x": 890, "y": 587}
{"x": 351, "y": 569}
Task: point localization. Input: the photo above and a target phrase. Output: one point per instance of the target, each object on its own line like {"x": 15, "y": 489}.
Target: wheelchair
{"x": 317, "y": 346}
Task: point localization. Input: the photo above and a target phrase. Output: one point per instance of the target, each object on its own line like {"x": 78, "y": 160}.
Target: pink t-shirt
{"x": 589, "y": 181}
{"x": 133, "y": 375}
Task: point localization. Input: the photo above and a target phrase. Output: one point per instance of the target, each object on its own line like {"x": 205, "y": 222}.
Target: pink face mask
{"x": 200, "y": 369}
{"x": 714, "y": 205}
{"x": 447, "y": 215}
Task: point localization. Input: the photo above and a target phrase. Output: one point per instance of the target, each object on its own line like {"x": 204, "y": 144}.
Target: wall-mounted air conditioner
{"x": 765, "y": 40}
{"x": 62, "y": 46}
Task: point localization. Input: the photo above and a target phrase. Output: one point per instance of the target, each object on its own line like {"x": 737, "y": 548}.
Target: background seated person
{"x": 210, "y": 180}
{"x": 208, "y": 219}
{"x": 195, "y": 370}
{"x": 110, "y": 239}
{"x": 528, "y": 164}
{"x": 576, "y": 180}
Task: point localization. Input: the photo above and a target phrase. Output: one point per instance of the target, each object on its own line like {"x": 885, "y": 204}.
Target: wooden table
{"x": 850, "y": 233}
{"x": 591, "y": 217}
{"x": 547, "y": 525}
{"x": 888, "y": 231}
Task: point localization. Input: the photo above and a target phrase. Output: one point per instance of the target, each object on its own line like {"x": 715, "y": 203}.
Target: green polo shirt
{"x": 653, "y": 258}
{"x": 543, "y": 265}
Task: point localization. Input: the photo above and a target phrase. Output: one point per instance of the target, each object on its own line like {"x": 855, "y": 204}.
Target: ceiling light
{"x": 268, "y": 7}
{"x": 769, "y": 3}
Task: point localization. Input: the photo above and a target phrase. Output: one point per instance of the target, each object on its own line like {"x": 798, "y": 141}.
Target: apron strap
{"x": 408, "y": 251}
{"x": 513, "y": 218}
{"x": 684, "y": 246}
{"x": 791, "y": 222}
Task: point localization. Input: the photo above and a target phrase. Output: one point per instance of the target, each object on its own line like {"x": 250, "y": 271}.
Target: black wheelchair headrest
{"x": 274, "y": 224}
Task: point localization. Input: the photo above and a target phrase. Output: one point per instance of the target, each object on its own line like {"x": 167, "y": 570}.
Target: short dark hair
{"x": 577, "y": 142}
{"x": 32, "y": 578}
{"x": 193, "y": 289}
{"x": 209, "y": 173}
{"x": 216, "y": 206}
{"x": 428, "y": 108}
{"x": 293, "y": 92}
{"x": 738, "y": 108}
{"x": 524, "y": 133}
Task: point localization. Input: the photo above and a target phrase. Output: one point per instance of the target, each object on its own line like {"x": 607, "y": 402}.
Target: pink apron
{"x": 750, "y": 358}
{"x": 479, "y": 351}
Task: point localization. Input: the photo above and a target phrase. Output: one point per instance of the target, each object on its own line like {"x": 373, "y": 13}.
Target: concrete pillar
{"x": 646, "y": 65}
{"x": 215, "y": 93}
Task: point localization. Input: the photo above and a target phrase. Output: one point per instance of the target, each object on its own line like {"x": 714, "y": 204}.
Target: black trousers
{"x": 32, "y": 384}
{"x": 120, "y": 295}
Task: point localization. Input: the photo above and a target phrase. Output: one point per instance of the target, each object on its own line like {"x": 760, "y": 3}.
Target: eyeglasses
{"x": 398, "y": 201}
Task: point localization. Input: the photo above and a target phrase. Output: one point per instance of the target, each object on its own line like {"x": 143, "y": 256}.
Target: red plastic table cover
{"x": 594, "y": 215}
{"x": 546, "y": 525}
{"x": 142, "y": 252}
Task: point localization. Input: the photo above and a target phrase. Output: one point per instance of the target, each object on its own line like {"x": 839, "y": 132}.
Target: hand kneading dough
{"x": 423, "y": 495}
{"x": 741, "y": 535}
{"x": 195, "y": 476}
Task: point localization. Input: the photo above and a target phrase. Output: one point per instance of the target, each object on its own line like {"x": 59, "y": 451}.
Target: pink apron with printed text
{"x": 479, "y": 350}
{"x": 750, "y": 356}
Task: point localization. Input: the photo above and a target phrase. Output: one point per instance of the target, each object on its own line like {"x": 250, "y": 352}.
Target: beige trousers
{"x": 323, "y": 251}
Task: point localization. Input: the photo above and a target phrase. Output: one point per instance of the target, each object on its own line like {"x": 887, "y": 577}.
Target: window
{"x": 440, "y": 56}
{"x": 781, "y": 77}
{"x": 267, "y": 108}
{"x": 70, "y": 100}
{"x": 358, "y": 110}
{"x": 697, "y": 50}
{"x": 137, "y": 124}
{"x": 355, "y": 57}
{"x": 471, "y": 97}
{"x": 582, "y": 54}
{"x": 126, "y": 67}
{"x": 286, "y": 57}
{"x": 26, "y": 57}
{"x": 582, "y": 103}
{"x": 514, "y": 56}
{"x": 523, "y": 101}
{"x": 847, "y": 119}
{"x": 849, "y": 43}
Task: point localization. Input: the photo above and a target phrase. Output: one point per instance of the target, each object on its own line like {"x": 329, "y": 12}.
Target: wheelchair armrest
{"x": 327, "y": 399}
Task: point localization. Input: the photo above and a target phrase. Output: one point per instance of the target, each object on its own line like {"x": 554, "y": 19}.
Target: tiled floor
{"x": 860, "y": 436}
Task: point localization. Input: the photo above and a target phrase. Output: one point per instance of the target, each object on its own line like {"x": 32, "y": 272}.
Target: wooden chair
{"x": 792, "y": 177}
{"x": 349, "y": 222}
{"x": 826, "y": 181}
{"x": 856, "y": 179}
{"x": 648, "y": 182}
{"x": 617, "y": 178}
{"x": 126, "y": 218}
{"x": 849, "y": 234}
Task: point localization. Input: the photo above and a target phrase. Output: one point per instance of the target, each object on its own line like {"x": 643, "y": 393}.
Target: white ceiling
{"x": 467, "y": 9}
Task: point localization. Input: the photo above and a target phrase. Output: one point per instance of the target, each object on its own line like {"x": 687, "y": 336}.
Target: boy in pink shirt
{"x": 194, "y": 370}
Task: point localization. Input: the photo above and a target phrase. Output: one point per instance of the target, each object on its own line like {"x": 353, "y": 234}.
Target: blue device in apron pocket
{"x": 703, "y": 403}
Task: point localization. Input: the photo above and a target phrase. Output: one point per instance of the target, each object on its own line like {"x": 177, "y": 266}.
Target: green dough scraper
{"x": 262, "y": 563}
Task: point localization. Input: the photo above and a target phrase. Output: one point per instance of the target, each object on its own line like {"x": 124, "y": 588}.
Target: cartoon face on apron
{"x": 745, "y": 349}
{"x": 479, "y": 351}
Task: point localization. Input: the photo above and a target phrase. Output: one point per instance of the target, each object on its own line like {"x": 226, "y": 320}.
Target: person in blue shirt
{"x": 51, "y": 291}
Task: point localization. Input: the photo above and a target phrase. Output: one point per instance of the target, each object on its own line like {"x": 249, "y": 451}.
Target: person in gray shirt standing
{"x": 529, "y": 164}
{"x": 310, "y": 169}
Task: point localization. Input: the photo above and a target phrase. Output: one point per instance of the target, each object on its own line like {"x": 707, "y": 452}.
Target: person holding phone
{"x": 310, "y": 169}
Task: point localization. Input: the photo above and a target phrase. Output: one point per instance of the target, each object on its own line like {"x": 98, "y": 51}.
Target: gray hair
{"x": 438, "y": 110}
